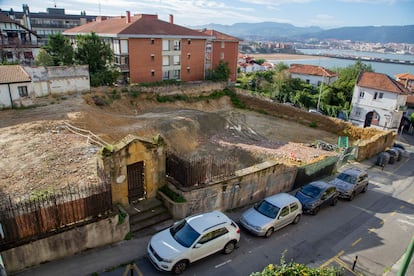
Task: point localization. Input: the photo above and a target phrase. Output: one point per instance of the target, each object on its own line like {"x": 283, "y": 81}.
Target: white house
{"x": 378, "y": 101}
{"x": 312, "y": 74}
{"x": 15, "y": 85}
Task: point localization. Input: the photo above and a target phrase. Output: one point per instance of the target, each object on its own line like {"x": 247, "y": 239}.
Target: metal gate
{"x": 136, "y": 188}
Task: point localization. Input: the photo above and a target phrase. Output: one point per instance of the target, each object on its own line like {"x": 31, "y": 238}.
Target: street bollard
{"x": 355, "y": 261}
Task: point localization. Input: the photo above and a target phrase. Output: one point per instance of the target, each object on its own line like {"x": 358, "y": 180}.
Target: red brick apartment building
{"x": 147, "y": 49}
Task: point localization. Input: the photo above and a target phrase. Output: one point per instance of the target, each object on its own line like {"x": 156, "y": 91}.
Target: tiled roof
{"x": 305, "y": 69}
{"x": 13, "y": 74}
{"x": 5, "y": 19}
{"x": 141, "y": 25}
{"x": 220, "y": 36}
{"x": 381, "y": 82}
{"x": 405, "y": 76}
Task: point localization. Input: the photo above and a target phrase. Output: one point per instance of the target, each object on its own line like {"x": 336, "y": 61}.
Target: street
{"x": 374, "y": 229}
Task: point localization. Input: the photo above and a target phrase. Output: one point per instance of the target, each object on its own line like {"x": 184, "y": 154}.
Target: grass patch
{"x": 313, "y": 125}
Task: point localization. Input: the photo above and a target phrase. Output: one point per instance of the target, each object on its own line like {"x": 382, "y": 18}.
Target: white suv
{"x": 191, "y": 239}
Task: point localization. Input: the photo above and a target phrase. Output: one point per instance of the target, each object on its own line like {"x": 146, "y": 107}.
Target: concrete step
{"x": 143, "y": 206}
{"x": 151, "y": 230}
{"x": 151, "y": 221}
{"x": 147, "y": 214}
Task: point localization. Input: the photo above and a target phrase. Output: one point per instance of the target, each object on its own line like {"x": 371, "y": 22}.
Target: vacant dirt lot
{"x": 38, "y": 153}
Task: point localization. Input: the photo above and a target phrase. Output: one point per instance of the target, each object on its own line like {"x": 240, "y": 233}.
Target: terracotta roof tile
{"x": 220, "y": 36}
{"x": 381, "y": 82}
{"x": 147, "y": 25}
{"x": 405, "y": 76}
{"x": 314, "y": 70}
{"x": 13, "y": 74}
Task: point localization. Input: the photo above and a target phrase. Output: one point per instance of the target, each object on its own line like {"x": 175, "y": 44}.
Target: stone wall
{"x": 247, "y": 186}
{"x": 187, "y": 88}
{"x": 76, "y": 240}
{"x": 370, "y": 147}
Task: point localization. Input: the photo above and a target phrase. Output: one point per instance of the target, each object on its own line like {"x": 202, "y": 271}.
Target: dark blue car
{"x": 317, "y": 195}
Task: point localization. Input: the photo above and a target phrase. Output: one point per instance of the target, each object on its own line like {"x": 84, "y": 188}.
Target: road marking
{"x": 224, "y": 263}
{"x": 332, "y": 259}
{"x": 356, "y": 242}
{"x": 402, "y": 207}
{"x": 406, "y": 222}
{"x": 410, "y": 200}
{"x": 371, "y": 230}
{"x": 393, "y": 213}
{"x": 383, "y": 221}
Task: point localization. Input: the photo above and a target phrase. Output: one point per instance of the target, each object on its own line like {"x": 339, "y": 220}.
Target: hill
{"x": 272, "y": 31}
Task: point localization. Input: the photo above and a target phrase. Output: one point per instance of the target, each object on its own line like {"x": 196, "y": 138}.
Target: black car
{"x": 316, "y": 195}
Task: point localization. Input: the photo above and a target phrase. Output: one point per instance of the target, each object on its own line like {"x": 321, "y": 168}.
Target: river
{"x": 391, "y": 69}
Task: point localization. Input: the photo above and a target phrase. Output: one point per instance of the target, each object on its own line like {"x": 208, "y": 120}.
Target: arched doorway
{"x": 372, "y": 118}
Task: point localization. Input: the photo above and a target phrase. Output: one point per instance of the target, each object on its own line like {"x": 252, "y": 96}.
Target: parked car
{"x": 271, "y": 214}
{"x": 192, "y": 239}
{"x": 316, "y": 195}
{"x": 351, "y": 182}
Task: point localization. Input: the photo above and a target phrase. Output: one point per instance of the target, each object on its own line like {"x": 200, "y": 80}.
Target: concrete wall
{"x": 190, "y": 88}
{"x": 248, "y": 186}
{"x": 59, "y": 79}
{"x": 76, "y": 240}
{"x": 128, "y": 151}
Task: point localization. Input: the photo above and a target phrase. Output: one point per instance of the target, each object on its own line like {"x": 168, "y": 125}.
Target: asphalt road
{"x": 376, "y": 228}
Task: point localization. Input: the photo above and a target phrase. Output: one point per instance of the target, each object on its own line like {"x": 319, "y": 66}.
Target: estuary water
{"x": 391, "y": 69}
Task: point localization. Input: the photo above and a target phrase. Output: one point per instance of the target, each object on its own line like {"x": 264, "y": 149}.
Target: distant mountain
{"x": 272, "y": 31}
{"x": 262, "y": 31}
{"x": 381, "y": 34}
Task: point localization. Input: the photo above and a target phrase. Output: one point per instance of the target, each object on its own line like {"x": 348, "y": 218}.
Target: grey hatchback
{"x": 351, "y": 182}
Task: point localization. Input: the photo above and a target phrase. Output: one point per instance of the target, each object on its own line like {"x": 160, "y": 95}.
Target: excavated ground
{"x": 39, "y": 154}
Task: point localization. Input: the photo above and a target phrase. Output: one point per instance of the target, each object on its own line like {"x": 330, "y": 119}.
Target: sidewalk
{"x": 115, "y": 257}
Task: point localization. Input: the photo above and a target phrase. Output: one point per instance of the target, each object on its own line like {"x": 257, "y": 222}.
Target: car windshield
{"x": 311, "y": 191}
{"x": 347, "y": 178}
{"x": 184, "y": 234}
{"x": 267, "y": 209}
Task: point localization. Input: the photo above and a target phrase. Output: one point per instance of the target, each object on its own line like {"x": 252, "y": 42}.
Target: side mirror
{"x": 197, "y": 245}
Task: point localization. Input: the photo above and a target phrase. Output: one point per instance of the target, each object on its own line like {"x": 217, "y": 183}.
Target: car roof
{"x": 320, "y": 184}
{"x": 281, "y": 199}
{"x": 204, "y": 221}
{"x": 354, "y": 171}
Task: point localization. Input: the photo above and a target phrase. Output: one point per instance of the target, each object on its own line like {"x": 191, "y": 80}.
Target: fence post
{"x": 407, "y": 258}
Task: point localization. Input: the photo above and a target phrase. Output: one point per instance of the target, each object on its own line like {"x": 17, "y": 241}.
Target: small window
{"x": 188, "y": 56}
{"x": 152, "y": 57}
{"x": 189, "y": 41}
{"x": 188, "y": 69}
{"x": 284, "y": 212}
{"x": 152, "y": 72}
{"x": 381, "y": 95}
{"x": 222, "y": 44}
{"x": 152, "y": 41}
{"x": 361, "y": 94}
{"x": 22, "y": 91}
{"x": 221, "y": 55}
{"x": 375, "y": 95}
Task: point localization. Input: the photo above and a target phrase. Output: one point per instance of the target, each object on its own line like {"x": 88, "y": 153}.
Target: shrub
{"x": 171, "y": 194}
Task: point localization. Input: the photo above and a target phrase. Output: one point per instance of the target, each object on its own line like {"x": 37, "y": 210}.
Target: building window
{"x": 165, "y": 75}
{"x": 176, "y": 60}
{"x": 28, "y": 55}
{"x": 381, "y": 95}
{"x": 188, "y": 69}
{"x": 9, "y": 55}
{"x": 221, "y": 55}
{"x": 361, "y": 94}
{"x": 177, "y": 45}
{"x": 222, "y": 45}
{"x": 152, "y": 57}
{"x": 165, "y": 60}
{"x": 153, "y": 73}
{"x": 189, "y": 41}
{"x": 152, "y": 41}
{"x": 165, "y": 45}
{"x": 358, "y": 112}
{"x": 188, "y": 56}
{"x": 375, "y": 95}
{"x": 22, "y": 91}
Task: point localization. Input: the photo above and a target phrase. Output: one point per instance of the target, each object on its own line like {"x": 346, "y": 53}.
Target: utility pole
{"x": 320, "y": 88}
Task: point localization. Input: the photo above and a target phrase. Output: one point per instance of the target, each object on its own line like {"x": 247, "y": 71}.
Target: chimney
{"x": 171, "y": 19}
{"x": 128, "y": 17}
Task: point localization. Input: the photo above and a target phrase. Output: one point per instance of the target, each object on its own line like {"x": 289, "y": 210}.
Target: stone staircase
{"x": 147, "y": 217}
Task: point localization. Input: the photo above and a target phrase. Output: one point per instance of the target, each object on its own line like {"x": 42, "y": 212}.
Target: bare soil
{"x": 38, "y": 153}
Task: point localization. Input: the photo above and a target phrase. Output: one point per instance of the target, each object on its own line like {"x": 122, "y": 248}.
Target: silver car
{"x": 351, "y": 182}
{"x": 271, "y": 214}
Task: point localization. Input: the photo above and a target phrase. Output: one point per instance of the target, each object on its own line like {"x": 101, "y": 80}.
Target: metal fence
{"x": 39, "y": 217}
{"x": 199, "y": 170}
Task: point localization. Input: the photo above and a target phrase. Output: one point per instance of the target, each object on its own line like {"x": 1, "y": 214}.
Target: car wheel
{"x": 297, "y": 219}
{"x": 316, "y": 210}
{"x": 269, "y": 232}
{"x": 230, "y": 246}
{"x": 179, "y": 267}
{"x": 365, "y": 188}
{"x": 334, "y": 201}
{"x": 351, "y": 197}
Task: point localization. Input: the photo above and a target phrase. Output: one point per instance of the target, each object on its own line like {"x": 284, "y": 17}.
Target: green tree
{"x": 59, "y": 49}
{"x": 44, "y": 59}
{"x": 93, "y": 51}
{"x": 260, "y": 61}
{"x": 221, "y": 72}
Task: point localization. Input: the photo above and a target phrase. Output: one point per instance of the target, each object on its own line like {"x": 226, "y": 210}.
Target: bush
{"x": 171, "y": 194}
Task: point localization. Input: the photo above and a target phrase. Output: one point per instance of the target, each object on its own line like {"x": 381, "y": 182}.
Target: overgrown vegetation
{"x": 292, "y": 268}
{"x": 172, "y": 195}
{"x": 278, "y": 85}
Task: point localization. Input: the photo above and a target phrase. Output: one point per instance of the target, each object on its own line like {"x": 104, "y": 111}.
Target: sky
{"x": 301, "y": 13}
